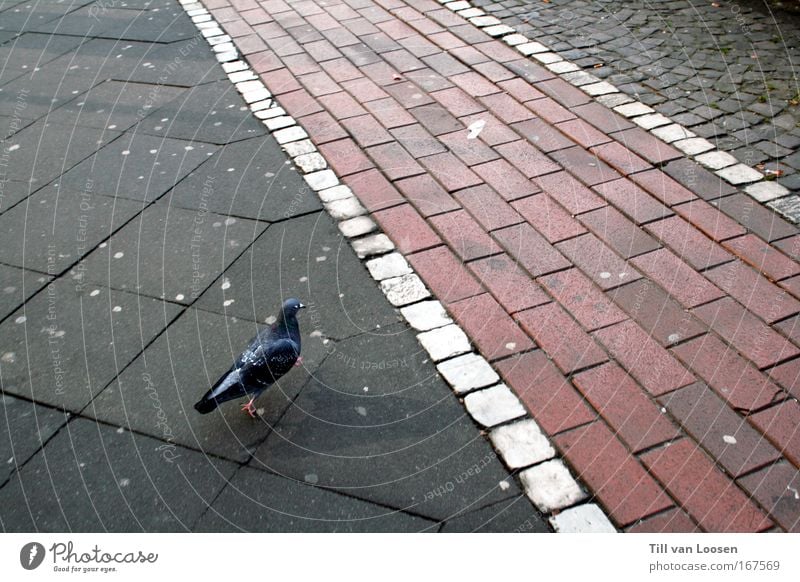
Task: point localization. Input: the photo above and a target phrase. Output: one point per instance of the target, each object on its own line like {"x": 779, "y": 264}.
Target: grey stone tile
{"x": 261, "y": 502}
{"x": 175, "y": 372}
{"x": 93, "y": 477}
{"x": 17, "y": 285}
{"x": 404, "y": 442}
{"x": 251, "y": 179}
{"x": 27, "y": 15}
{"x": 516, "y": 515}
{"x": 305, "y": 257}
{"x": 213, "y": 112}
{"x": 170, "y": 253}
{"x": 12, "y": 192}
{"x": 50, "y": 231}
{"x": 25, "y": 427}
{"x": 136, "y": 166}
{"x": 31, "y": 50}
{"x": 69, "y": 343}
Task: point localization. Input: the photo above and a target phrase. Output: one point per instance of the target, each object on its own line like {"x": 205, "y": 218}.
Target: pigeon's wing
{"x": 268, "y": 362}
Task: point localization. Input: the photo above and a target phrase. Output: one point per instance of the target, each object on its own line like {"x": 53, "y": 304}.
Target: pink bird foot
{"x": 249, "y": 408}
{"x": 299, "y": 361}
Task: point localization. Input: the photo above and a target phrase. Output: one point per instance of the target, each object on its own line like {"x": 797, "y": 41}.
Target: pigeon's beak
{"x": 302, "y": 306}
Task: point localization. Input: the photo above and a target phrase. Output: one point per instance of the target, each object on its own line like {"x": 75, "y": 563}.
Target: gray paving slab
{"x": 12, "y": 192}
{"x": 179, "y": 367}
{"x": 170, "y": 253}
{"x": 303, "y": 257}
{"x": 377, "y": 423}
{"x": 68, "y": 344}
{"x": 42, "y": 151}
{"x": 165, "y": 25}
{"x": 256, "y": 501}
{"x": 12, "y": 125}
{"x": 114, "y": 105}
{"x": 251, "y": 179}
{"x": 515, "y": 515}
{"x": 30, "y": 50}
{"x": 51, "y": 231}
{"x": 137, "y": 166}
{"x": 28, "y": 15}
{"x": 91, "y": 477}
{"x": 25, "y": 427}
{"x": 213, "y": 112}
{"x": 17, "y": 285}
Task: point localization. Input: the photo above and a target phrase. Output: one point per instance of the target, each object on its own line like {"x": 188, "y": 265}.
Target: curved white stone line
{"x": 487, "y": 400}
{"x": 755, "y": 184}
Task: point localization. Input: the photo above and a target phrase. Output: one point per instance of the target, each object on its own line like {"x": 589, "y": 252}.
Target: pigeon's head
{"x": 292, "y": 306}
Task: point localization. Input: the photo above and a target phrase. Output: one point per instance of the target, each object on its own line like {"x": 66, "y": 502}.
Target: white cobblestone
{"x": 494, "y": 405}
{"x": 633, "y": 109}
{"x": 261, "y": 105}
{"x": 766, "y": 191}
{"x": 601, "y": 88}
{"x": 468, "y": 372}
{"x": 312, "y": 162}
{"x": 256, "y": 95}
{"x": 404, "y": 290}
{"x": 563, "y": 67}
{"x": 580, "y": 78}
{"x": 279, "y": 122}
{"x": 345, "y": 209}
{"x": 269, "y": 113}
{"x": 522, "y": 444}
{"x": 587, "y": 518}
{"x": 651, "y": 120}
{"x": 716, "y": 160}
{"x": 514, "y": 39}
{"x": 298, "y": 148}
{"x": 227, "y": 56}
{"x": 234, "y": 67}
{"x": 740, "y": 174}
{"x": 482, "y": 21}
{"x": 444, "y": 342}
{"x": 693, "y": 145}
{"x": 471, "y": 13}
{"x": 284, "y": 136}
{"x": 532, "y": 48}
{"x": 375, "y": 244}
{"x": 320, "y": 180}
{"x": 339, "y": 192}
{"x": 388, "y": 266}
{"x": 547, "y": 58}
{"x": 358, "y": 226}
{"x": 671, "y": 133}
{"x": 460, "y": 5}
{"x": 550, "y": 486}
{"x": 614, "y": 99}
{"x": 426, "y": 315}
{"x": 240, "y": 76}
{"x": 498, "y": 30}
{"x": 788, "y": 206}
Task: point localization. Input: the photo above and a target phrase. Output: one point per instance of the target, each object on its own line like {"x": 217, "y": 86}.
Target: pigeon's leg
{"x": 299, "y": 361}
{"x": 250, "y": 408}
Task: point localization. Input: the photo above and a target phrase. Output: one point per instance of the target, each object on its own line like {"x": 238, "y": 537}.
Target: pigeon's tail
{"x": 227, "y": 388}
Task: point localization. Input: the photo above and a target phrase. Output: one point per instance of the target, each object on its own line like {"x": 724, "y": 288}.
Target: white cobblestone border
{"x": 754, "y": 183}
{"x": 545, "y": 479}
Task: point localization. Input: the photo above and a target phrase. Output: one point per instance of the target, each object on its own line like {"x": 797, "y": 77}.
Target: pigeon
{"x": 270, "y": 355}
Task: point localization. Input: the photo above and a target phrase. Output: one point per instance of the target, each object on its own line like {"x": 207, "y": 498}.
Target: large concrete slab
{"x": 377, "y": 423}
{"x": 516, "y": 515}
{"x": 50, "y": 231}
{"x": 28, "y": 15}
{"x": 16, "y": 286}
{"x": 262, "y": 502}
{"x": 69, "y": 343}
{"x": 179, "y": 367}
{"x": 31, "y": 50}
{"x": 307, "y": 258}
{"x": 171, "y": 253}
{"x": 93, "y": 477}
{"x": 137, "y": 166}
{"x": 251, "y": 179}
{"x": 25, "y": 427}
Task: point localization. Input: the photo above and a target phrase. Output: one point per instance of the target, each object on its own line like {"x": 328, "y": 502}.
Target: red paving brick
{"x": 689, "y": 243}
{"x": 345, "y": 157}
{"x": 713, "y": 223}
{"x": 663, "y": 187}
{"x": 322, "y": 128}
{"x": 636, "y": 203}
{"x": 762, "y": 257}
{"x": 531, "y": 249}
{"x": 727, "y": 436}
{"x": 586, "y": 166}
{"x": 583, "y": 133}
{"x": 774, "y": 488}
{"x": 543, "y": 135}
{"x": 526, "y": 158}
{"x": 754, "y": 291}
{"x": 458, "y": 102}
{"x": 570, "y": 193}
{"x": 622, "y": 235}
{"x": 616, "y": 478}
{"x": 427, "y": 195}
{"x": 646, "y": 145}
{"x": 407, "y": 229}
{"x": 663, "y": 318}
{"x": 450, "y": 171}
{"x": 445, "y": 274}
{"x": 582, "y": 298}
{"x": 682, "y": 282}
{"x": 549, "y": 110}
{"x": 747, "y": 333}
{"x": 418, "y": 141}
{"x": 470, "y": 151}
{"x": 490, "y": 327}
{"x": 366, "y": 130}
{"x": 671, "y": 521}
{"x": 373, "y": 190}
{"x": 755, "y": 217}
{"x": 570, "y": 347}
{"x": 464, "y": 235}
{"x": 389, "y": 113}
{"x": 730, "y": 375}
{"x": 598, "y": 261}
{"x": 624, "y": 405}
{"x": 601, "y": 117}
{"x": 550, "y": 398}
{"x": 704, "y": 491}
{"x": 487, "y": 207}
{"x": 509, "y": 282}
{"x": 549, "y": 218}
{"x": 506, "y": 108}
{"x": 620, "y": 158}
{"x": 788, "y": 376}
{"x": 564, "y": 93}
{"x": 650, "y": 364}
{"x": 395, "y": 161}
{"x": 780, "y": 424}
{"x": 505, "y": 179}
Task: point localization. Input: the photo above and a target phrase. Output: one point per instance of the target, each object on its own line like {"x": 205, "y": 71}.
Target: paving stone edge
{"x": 755, "y": 184}
{"x": 545, "y": 477}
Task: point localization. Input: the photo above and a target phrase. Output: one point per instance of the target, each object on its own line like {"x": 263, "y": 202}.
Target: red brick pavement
{"x": 649, "y": 328}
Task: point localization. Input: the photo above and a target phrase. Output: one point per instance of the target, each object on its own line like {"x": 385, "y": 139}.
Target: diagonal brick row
{"x": 641, "y": 308}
